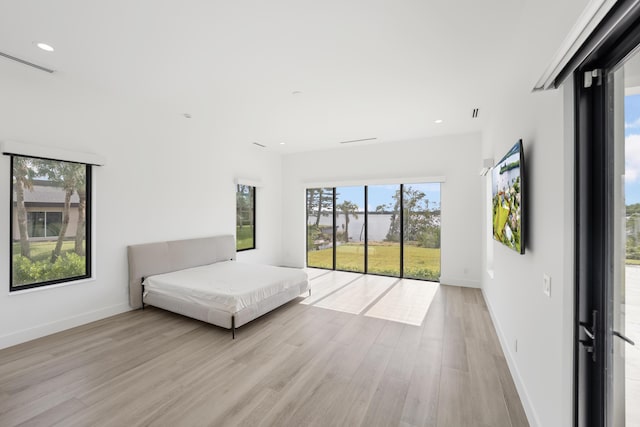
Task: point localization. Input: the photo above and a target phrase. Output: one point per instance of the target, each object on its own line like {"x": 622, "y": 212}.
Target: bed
{"x": 200, "y": 278}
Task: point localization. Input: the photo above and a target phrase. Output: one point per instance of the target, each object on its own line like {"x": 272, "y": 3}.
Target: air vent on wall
{"x": 259, "y": 145}
{"x": 475, "y": 112}
{"x": 357, "y": 140}
{"x": 27, "y": 63}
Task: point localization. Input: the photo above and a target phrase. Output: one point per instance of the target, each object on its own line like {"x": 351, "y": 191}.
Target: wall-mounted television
{"x": 507, "y": 183}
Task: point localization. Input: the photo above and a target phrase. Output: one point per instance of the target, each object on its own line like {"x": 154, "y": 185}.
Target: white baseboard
{"x": 459, "y": 282}
{"x": 532, "y": 416}
{"x": 29, "y": 334}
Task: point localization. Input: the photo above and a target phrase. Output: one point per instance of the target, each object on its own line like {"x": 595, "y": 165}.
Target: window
{"x": 320, "y": 227}
{"x": 245, "y": 217}
{"x": 44, "y": 224}
{"x": 389, "y": 230}
{"x": 50, "y": 222}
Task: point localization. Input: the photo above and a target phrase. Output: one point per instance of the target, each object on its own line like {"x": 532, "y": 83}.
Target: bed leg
{"x": 233, "y": 327}
{"x": 142, "y": 292}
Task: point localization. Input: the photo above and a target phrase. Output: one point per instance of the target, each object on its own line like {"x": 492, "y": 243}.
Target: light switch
{"x": 546, "y": 285}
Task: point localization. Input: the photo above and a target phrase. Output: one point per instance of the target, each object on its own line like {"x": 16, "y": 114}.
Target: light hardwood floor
{"x": 302, "y": 364}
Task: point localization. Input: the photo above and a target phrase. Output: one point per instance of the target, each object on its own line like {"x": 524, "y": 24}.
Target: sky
{"x": 632, "y": 148}
{"x": 383, "y": 194}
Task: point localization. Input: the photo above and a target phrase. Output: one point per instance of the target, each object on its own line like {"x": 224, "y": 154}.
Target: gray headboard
{"x": 162, "y": 257}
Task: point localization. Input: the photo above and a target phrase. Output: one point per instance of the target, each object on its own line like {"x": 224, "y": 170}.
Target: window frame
{"x": 88, "y": 228}
{"x": 253, "y": 214}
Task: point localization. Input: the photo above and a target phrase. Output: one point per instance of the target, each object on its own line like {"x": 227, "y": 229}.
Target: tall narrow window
{"x": 421, "y": 231}
{"x": 320, "y": 227}
{"x": 384, "y": 229}
{"x": 245, "y": 217}
{"x": 350, "y": 229}
{"x": 50, "y": 222}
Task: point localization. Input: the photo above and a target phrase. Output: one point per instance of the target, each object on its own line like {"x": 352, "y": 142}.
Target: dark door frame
{"x": 614, "y": 40}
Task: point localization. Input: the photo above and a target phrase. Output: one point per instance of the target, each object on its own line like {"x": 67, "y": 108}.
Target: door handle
{"x": 586, "y": 330}
{"x": 590, "y": 331}
{"x": 619, "y": 335}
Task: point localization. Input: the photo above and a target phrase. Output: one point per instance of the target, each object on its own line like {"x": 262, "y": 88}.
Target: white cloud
{"x": 633, "y": 125}
{"x": 632, "y": 157}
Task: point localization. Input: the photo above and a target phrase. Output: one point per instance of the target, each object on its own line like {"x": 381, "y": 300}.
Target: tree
{"x": 421, "y": 224}
{"x": 347, "y": 208}
{"x": 311, "y": 202}
{"x": 23, "y": 174}
{"x": 81, "y": 189}
{"x": 244, "y": 205}
{"x": 69, "y": 177}
{"x": 319, "y": 200}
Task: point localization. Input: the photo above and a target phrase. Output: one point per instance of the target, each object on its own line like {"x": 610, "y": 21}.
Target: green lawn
{"x": 244, "y": 237}
{"x": 41, "y": 251}
{"x": 420, "y": 263}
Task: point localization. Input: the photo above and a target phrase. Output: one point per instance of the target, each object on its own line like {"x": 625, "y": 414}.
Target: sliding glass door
{"x": 607, "y": 318}
{"x": 320, "y": 227}
{"x": 383, "y": 233}
{"x": 390, "y": 230}
{"x": 350, "y": 232}
{"x": 421, "y": 231}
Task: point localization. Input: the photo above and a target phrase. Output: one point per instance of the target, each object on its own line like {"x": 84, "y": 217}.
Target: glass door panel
{"x": 383, "y": 229}
{"x": 320, "y": 228}
{"x": 624, "y": 376}
{"x": 350, "y": 229}
{"x": 421, "y": 231}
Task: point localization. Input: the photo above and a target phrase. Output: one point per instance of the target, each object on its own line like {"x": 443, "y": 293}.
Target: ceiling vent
{"x": 27, "y": 63}
{"x": 357, "y": 140}
{"x": 475, "y": 112}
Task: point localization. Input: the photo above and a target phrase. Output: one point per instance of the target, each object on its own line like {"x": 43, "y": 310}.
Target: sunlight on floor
{"x": 399, "y": 300}
{"x": 358, "y": 295}
{"x": 328, "y": 283}
{"x": 407, "y": 302}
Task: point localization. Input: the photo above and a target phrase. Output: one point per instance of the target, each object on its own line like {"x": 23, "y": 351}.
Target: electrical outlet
{"x": 546, "y": 285}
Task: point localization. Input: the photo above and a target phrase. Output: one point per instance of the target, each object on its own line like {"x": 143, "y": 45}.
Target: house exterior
{"x": 45, "y": 204}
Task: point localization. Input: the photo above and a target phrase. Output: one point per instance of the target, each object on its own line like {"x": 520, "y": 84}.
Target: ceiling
{"x": 365, "y": 69}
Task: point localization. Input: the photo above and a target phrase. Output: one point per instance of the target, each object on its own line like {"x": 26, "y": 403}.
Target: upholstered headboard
{"x": 162, "y": 257}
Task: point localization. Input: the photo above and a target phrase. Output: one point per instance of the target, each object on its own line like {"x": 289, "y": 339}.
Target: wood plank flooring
{"x": 299, "y": 365}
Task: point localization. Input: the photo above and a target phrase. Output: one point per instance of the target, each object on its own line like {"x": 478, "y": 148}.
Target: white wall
{"x": 166, "y": 177}
{"x": 456, "y": 157}
{"x": 542, "y": 325}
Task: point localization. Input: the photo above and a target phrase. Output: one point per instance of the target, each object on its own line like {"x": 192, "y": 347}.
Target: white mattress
{"x": 228, "y": 286}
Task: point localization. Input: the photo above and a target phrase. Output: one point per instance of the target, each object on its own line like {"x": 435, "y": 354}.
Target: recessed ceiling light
{"x": 45, "y": 46}
{"x": 282, "y": 143}
{"x": 438, "y": 121}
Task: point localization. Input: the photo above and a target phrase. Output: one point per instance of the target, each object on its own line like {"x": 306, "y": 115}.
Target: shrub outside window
{"x": 50, "y": 222}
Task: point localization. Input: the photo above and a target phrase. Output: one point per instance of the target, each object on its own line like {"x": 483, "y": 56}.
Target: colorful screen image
{"x": 507, "y": 199}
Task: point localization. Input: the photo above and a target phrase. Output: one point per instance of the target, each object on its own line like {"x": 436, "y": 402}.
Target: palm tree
{"x": 69, "y": 177}
{"x": 347, "y": 208}
{"x": 81, "y": 189}
{"x": 23, "y": 175}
